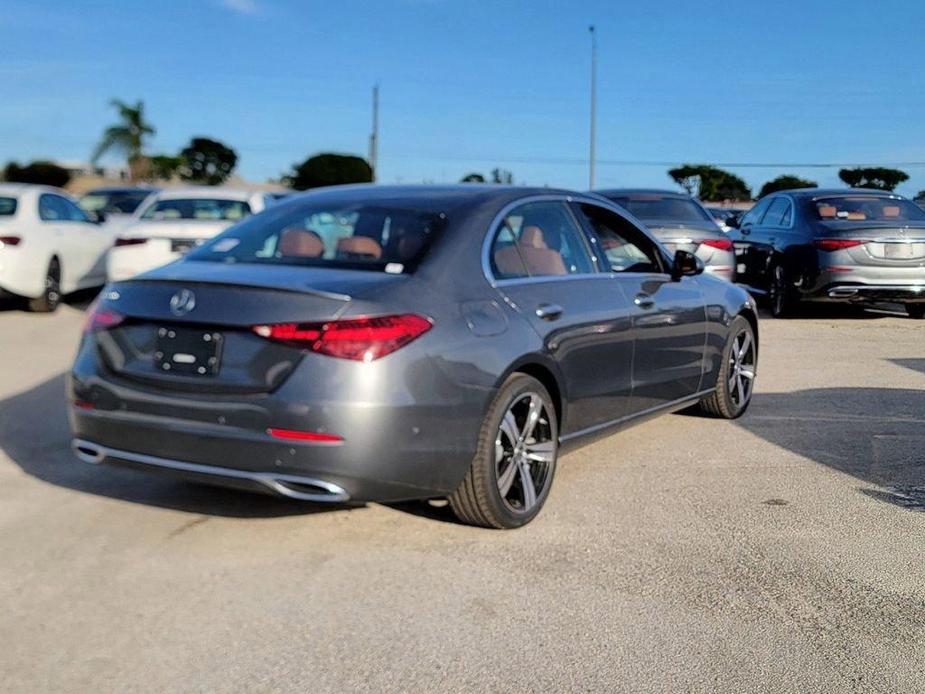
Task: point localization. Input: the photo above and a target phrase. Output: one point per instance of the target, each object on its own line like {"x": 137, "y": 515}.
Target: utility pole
{"x": 592, "y": 153}
{"x": 374, "y": 136}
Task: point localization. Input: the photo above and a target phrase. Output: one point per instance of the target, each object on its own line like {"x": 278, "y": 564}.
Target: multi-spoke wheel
{"x": 510, "y": 476}
{"x": 736, "y": 379}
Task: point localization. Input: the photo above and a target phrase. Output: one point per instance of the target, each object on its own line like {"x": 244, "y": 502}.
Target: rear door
{"x": 747, "y": 243}
{"x": 90, "y": 242}
{"x": 541, "y": 262}
{"x": 669, "y": 317}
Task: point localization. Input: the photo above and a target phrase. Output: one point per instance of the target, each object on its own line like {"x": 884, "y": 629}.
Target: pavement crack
{"x": 189, "y": 525}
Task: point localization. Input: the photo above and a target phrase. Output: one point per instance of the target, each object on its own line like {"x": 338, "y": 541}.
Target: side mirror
{"x": 99, "y": 216}
{"x": 686, "y": 265}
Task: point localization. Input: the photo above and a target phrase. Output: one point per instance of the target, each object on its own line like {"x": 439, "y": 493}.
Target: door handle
{"x": 745, "y": 231}
{"x": 643, "y": 300}
{"x": 548, "y": 311}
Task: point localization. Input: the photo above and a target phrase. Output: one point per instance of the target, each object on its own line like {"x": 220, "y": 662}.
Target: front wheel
{"x": 51, "y": 294}
{"x": 915, "y": 310}
{"x": 510, "y": 476}
{"x": 736, "y": 379}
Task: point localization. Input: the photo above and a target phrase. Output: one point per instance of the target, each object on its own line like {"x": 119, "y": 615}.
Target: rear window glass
{"x": 120, "y": 202}
{"x": 867, "y": 208}
{"x": 7, "y": 207}
{"x": 366, "y": 237}
{"x": 659, "y": 207}
{"x": 203, "y": 209}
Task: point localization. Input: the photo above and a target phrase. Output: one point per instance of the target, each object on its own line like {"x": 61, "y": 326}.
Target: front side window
{"x": 756, "y": 213}
{"x": 356, "y": 236}
{"x": 863, "y": 208}
{"x": 52, "y": 209}
{"x": 539, "y": 239}
{"x": 197, "y": 209}
{"x": 625, "y": 248}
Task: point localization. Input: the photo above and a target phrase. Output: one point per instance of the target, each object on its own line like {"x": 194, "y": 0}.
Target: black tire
{"x": 725, "y": 400}
{"x": 915, "y": 310}
{"x": 51, "y": 297}
{"x": 479, "y": 500}
{"x": 781, "y": 298}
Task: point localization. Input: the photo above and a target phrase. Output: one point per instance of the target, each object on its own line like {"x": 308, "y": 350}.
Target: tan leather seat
{"x": 361, "y": 246}
{"x": 300, "y": 243}
{"x": 827, "y": 211}
{"x": 531, "y": 254}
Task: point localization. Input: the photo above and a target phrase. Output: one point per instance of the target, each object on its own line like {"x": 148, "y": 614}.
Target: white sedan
{"x": 49, "y": 246}
{"x": 174, "y": 221}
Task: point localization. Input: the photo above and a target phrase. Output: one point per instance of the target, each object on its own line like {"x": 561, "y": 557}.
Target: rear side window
{"x": 7, "y": 207}
{"x": 202, "y": 209}
{"x": 365, "y": 237}
{"x": 863, "y": 208}
{"x": 539, "y": 239}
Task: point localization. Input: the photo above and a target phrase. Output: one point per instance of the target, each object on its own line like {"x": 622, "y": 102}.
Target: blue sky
{"x": 467, "y": 86}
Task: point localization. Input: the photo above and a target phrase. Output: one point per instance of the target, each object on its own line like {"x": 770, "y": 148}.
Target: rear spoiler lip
{"x": 321, "y": 293}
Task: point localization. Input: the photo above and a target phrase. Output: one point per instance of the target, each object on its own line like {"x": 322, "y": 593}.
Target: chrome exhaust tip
{"x": 87, "y": 452}
{"x": 305, "y": 488}
{"x": 842, "y": 293}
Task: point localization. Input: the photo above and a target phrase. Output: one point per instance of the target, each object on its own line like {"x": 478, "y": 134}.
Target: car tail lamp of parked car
{"x": 835, "y": 244}
{"x": 123, "y": 241}
{"x": 101, "y": 318}
{"x": 9, "y": 241}
{"x": 721, "y": 244}
{"x": 360, "y": 339}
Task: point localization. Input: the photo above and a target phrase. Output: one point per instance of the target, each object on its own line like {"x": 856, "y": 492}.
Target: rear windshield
{"x": 201, "y": 209}
{"x": 120, "y": 202}
{"x": 365, "y": 237}
{"x": 867, "y": 208}
{"x": 659, "y": 207}
{"x": 7, "y": 207}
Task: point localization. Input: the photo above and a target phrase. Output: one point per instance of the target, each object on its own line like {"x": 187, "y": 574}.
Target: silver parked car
{"x": 859, "y": 246}
{"x": 386, "y": 343}
{"x": 681, "y": 223}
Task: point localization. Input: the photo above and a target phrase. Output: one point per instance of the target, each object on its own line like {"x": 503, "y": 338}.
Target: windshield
{"x": 357, "y": 236}
{"x": 117, "y": 202}
{"x": 7, "y": 207}
{"x": 199, "y": 209}
{"x": 648, "y": 207}
{"x": 870, "y": 208}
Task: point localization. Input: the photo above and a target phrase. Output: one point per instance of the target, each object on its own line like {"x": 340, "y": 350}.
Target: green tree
{"x": 163, "y": 167}
{"x": 329, "y": 170}
{"x": 473, "y": 178}
{"x": 710, "y": 182}
{"x": 127, "y": 136}
{"x": 207, "y": 161}
{"x": 876, "y": 177}
{"x": 40, "y": 172}
{"x": 786, "y": 182}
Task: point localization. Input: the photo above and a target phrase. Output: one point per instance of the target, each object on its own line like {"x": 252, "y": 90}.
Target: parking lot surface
{"x": 783, "y": 551}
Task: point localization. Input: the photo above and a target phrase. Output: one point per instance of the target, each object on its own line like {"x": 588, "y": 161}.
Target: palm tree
{"x": 127, "y": 136}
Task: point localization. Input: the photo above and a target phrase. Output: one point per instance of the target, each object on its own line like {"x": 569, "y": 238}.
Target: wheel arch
{"x": 543, "y": 370}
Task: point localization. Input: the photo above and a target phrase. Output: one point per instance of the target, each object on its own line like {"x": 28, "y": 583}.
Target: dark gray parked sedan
{"x": 858, "y": 246}
{"x": 388, "y": 343}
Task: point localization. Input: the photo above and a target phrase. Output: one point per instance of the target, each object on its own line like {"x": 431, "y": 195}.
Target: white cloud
{"x": 240, "y": 6}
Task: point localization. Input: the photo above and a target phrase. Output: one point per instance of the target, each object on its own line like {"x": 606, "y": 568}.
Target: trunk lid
{"x": 883, "y": 243}
{"x": 683, "y": 236}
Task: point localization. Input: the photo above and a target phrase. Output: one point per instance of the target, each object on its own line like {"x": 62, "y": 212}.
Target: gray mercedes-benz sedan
{"x": 680, "y": 222}
{"x": 374, "y": 343}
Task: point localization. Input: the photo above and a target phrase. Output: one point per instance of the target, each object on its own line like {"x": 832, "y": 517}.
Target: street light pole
{"x": 374, "y": 136}
{"x": 592, "y": 153}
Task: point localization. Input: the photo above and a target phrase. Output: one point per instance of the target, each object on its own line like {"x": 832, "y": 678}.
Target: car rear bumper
{"x": 871, "y": 293}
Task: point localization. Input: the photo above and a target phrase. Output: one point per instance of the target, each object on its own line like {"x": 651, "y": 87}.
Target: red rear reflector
{"x": 83, "y": 404}
{"x": 101, "y": 318}
{"x": 9, "y": 240}
{"x": 721, "y": 244}
{"x": 835, "y": 244}
{"x": 130, "y": 242}
{"x": 315, "y": 436}
{"x": 361, "y": 339}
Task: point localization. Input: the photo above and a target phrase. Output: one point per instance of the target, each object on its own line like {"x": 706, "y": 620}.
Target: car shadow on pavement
{"x": 835, "y": 311}
{"x": 876, "y": 435}
{"x": 914, "y": 364}
{"x": 34, "y": 434}
{"x": 79, "y": 300}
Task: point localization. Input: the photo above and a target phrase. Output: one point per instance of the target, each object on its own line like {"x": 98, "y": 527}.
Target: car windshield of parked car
{"x": 197, "y": 209}
{"x": 646, "y": 207}
{"x": 113, "y": 202}
{"x": 7, "y": 207}
{"x": 867, "y": 208}
{"x": 365, "y": 237}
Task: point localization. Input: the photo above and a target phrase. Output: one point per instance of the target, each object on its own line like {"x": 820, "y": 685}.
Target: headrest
{"x": 300, "y": 243}
{"x": 891, "y": 211}
{"x": 532, "y": 237}
{"x": 828, "y": 211}
{"x": 856, "y": 217}
{"x": 359, "y": 245}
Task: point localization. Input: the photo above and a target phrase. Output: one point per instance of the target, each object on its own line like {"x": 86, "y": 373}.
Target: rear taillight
{"x": 361, "y": 339}
{"x": 9, "y": 241}
{"x": 835, "y": 244}
{"x": 721, "y": 244}
{"x": 121, "y": 241}
{"x": 101, "y": 318}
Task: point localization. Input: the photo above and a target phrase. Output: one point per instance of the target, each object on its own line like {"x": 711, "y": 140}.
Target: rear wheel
{"x": 780, "y": 294}
{"x": 736, "y": 379}
{"x": 915, "y": 310}
{"x": 510, "y": 476}
{"x": 51, "y": 295}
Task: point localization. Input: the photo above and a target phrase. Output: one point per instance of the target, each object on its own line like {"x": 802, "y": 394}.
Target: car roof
{"x": 804, "y": 193}
{"x": 645, "y": 191}
{"x": 20, "y": 188}
{"x": 121, "y": 189}
{"x": 205, "y": 192}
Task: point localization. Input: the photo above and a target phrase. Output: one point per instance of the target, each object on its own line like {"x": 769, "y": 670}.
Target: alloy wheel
{"x": 741, "y": 369}
{"x": 524, "y": 452}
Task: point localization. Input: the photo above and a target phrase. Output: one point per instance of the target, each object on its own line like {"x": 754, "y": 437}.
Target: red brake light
{"x": 122, "y": 241}
{"x": 361, "y": 339}
{"x": 101, "y": 318}
{"x": 9, "y": 241}
{"x": 721, "y": 244}
{"x": 835, "y": 244}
